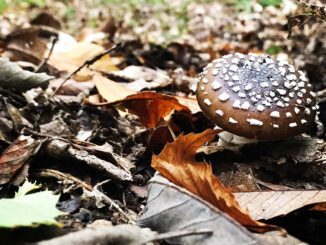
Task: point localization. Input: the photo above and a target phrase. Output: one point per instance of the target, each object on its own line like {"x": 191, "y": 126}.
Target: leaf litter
{"x": 93, "y": 140}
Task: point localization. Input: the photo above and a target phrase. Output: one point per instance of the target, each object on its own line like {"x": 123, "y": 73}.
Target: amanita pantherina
{"x": 254, "y": 97}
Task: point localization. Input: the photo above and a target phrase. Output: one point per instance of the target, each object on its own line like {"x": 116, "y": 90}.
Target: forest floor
{"x": 101, "y": 132}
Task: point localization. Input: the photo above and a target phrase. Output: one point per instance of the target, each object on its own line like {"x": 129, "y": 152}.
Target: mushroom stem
{"x": 227, "y": 139}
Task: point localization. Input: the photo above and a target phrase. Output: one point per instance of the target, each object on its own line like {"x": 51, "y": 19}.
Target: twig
{"x": 95, "y": 190}
{"x": 63, "y": 176}
{"x": 86, "y": 64}
{"x": 107, "y": 199}
{"x": 54, "y": 40}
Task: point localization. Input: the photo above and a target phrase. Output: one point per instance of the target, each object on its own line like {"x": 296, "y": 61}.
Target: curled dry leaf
{"x": 177, "y": 163}
{"x": 172, "y": 208}
{"x": 151, "y": 107}
{"x": 16, "y": 155}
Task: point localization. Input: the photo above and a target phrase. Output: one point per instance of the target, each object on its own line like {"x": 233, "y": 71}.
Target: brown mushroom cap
{"x": 256, "y": 97}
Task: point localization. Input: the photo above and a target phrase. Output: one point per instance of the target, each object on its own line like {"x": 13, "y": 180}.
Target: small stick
{"x": 63, "y": 176}
{"x": 108, "y": 200}
{"x": 54, "y": 40}
{"x": 87, "y": 63}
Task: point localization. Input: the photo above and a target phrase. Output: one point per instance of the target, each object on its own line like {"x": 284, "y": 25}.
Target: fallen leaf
{"x": 177, "y": 163}
{"x": 143, "y": 77}
{"x": 13, "y": 76}
{"x": 16, "y": 155}
{"x": 157, "y": 105}
{"x": 319, "y": 207}
{"x": 190, "y": 102}
{"x": 172, "y": 208}
{"x": 269, "y": 204}
{"x": 82, "y": 51}
{"x": 26, "y": 44}
{"x": 151, "y": 107}
{"x": 61, "y": 149}
{"x": 30, "y": 209}
{"x": 110, "y": 90}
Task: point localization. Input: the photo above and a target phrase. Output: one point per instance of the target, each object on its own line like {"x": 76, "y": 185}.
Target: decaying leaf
{"x": 172, "y": 208}
{"x": 151, "y": 107}
{"x": 30, "y": 209}
{"x": 26, "y": 44}
{"x": 269, "y": 204}
{"x": 75, "y": 57}
{"x": 64, "y": 150}
{"x": 177, "y": 163}
{"x": 16, "y": 155}
{"x": 13, "y": 76}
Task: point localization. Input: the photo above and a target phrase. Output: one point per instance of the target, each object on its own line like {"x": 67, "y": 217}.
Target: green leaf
{"x": 266, "y": 3}
{"x": 3, "y": 6}
{"x": 37, "y": 3}
{"x": 273, "y": 49}
{"x": 27, "y": 187}
{"x": 31, "y": 209}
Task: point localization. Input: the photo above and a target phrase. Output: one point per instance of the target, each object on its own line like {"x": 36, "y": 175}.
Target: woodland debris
{"x": 170, "y": 207}
{"x": 177, "y": 163}
{"x": 65, "y": 150}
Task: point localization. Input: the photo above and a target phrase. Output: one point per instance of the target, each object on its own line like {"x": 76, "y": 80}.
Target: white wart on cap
{"x": 256, "y": 97}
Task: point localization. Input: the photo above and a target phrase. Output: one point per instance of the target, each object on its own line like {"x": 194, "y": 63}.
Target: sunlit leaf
{"x": 177, "y": 163}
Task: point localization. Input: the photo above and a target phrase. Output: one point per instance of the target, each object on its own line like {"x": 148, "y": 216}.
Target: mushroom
{"x": 255, "y": 98}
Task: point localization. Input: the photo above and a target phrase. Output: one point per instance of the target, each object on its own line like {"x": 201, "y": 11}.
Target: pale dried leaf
{"x": 269, "y": 204}
{"x": 110, "y": 90}
{"x": 70, "y": 60}
{"x": 144, "y": 78}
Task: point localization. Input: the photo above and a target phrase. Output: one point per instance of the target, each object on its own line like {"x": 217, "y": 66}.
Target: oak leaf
{"x": 177, "y": 163}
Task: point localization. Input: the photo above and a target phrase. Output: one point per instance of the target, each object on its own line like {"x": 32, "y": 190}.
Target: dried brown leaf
{"x": 16, "y": 155}
{"x": 151, "y": 107}
{"x": 177, "y": 163}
